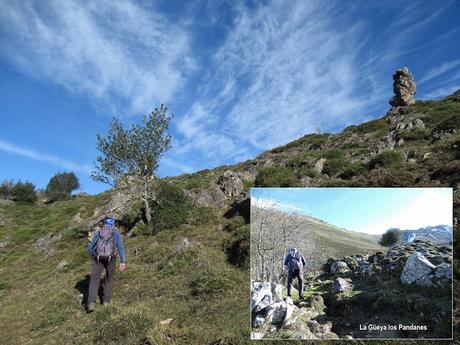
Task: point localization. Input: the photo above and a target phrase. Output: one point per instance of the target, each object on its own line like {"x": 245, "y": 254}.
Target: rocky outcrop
{"x": 404, "y": 88}
{"x": 231, "y": 184}
{"x": 416, "y": 269}
{"x": 272, "y": 315}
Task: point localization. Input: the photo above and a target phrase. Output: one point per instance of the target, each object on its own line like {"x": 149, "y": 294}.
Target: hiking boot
{"x": 90, "y": 307}
{"x": 106, "y": 303}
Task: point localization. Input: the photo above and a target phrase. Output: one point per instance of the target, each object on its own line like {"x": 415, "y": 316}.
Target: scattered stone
{"x": 404, "y": 88}
{"x": 340, "y": 285}
{"x": 166, "y": 322}
{"x": 184, "y": 244}
{"x": 79, "y": 298}
{"x": 256, "y": 335}
{"x": 417, "y": 266}
{"x": 62, "y": 265}
{"x": 44, "y": 242}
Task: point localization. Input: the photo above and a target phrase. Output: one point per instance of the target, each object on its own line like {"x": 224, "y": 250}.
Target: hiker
{"x": 104, "y": 248}
{"x": 295, "y": 263}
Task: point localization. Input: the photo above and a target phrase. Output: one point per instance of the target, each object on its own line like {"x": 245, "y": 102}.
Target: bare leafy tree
{"x": 134, "y": 152}
{"x": 272, "y": 232}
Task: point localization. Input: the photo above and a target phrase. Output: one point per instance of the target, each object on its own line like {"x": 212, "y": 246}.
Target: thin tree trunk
{"x": 148, "y": 215}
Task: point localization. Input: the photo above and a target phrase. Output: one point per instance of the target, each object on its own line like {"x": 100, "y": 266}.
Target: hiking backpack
{"x": 295, "y": 263}
{"x": 105, "y": 246}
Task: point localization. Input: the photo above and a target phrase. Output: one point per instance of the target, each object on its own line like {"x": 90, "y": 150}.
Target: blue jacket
{"x": 118, "y": 244}
{"x": 289, "y": 256}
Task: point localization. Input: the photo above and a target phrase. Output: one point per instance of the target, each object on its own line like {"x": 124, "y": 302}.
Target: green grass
{"x": 192, "y": 285}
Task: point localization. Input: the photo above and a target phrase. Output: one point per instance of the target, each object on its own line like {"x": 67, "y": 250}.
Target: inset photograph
{"x": 351, "y": 263}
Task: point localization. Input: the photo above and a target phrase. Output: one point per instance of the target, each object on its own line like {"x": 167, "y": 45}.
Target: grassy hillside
{"x": 196, "y": 273}
{"x": 181, "y": 274}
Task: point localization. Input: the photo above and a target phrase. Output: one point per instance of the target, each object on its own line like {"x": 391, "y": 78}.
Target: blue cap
{"x": 109, "y": 221}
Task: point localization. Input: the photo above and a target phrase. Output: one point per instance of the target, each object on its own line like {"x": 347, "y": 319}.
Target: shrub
{"x": 171, "y": 209}
{"x": 353, "y": 169}
{"x": 414, "y": 134}
{"x": 391, "y": 237}
{"x": 334, "y": 166}
{"x": 61, "y": 186}
{"x": 24, "y": 192}
{"x": 387, "y": 159}
{"x": 276, "y": 177}
{"x": 5, "y": 189}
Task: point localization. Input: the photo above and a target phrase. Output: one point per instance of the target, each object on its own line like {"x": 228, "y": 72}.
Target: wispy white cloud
{"x": 270, "y": 204}
{"x": 43, "y": 157}
{"x": 274, "y": 80}
{"x": 439, "y": 70}
{"x": 123, "y": 56}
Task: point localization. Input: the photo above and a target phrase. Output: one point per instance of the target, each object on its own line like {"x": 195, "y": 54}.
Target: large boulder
{"x": 443, "y": 271}
{"x": 258, "y": 292}
{"x": 263, "y": 294}
{"x": 230, "y": 184}
{"x": 403, "y": 87}
{"x": 417, "y": 266}
{"x": 341, "y": 285}
{"x": 339, "y": 267}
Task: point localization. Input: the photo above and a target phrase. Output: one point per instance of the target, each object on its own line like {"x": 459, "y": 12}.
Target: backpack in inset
{"x": 295, "y": 263}
{"x": 105, "y": 246}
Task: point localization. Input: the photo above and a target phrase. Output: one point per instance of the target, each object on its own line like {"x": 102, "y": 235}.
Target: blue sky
{"x": 369, "y": 210}
{"x": 240, "y": 77}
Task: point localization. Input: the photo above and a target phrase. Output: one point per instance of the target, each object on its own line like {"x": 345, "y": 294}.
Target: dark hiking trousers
{"x": 292, "y": 275}
{"x": 96, "y": 273}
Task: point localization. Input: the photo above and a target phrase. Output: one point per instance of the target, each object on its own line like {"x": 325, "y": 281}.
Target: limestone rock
{"x": 277, "y": 312}
{"x": 231, "y": 184}
{"x": 443, "y": 271}
{"x": 417, "y": 266}
{"x": 339, "y": 267}
{"x": 319, "y": 165}
{"x": 259, "y": 320}
{"x": 403, "y": 87}
{"x": 44, "y": 242}
{"x": 265, "y": 302}
{"x": 341, "y": 285}
{"x": 289, "y": 309}
{"x": 258, "y": 292}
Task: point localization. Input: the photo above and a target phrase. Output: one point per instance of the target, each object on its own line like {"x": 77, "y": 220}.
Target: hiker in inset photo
{"x": 106, "y": 244}
{"x": 295, "y": 263}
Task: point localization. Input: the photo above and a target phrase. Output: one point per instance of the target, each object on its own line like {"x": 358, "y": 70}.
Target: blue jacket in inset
{"x": 289, "y": 256}
{"x": 118, "y": 243}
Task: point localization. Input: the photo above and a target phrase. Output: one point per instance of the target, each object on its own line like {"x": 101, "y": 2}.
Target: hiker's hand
{"x": 122, "y": 267}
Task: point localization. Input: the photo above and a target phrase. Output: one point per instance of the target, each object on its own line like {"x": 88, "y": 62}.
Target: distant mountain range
{"x": 437, "y": 234}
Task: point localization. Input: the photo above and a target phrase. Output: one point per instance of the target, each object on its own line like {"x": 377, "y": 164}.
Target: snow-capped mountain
{"x": 437, "y": 234}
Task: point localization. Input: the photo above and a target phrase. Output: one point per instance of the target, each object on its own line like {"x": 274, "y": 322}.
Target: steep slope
{"x": 196, "y": 273}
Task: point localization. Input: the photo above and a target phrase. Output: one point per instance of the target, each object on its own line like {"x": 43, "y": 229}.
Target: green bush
{"x": 210, "y": 281}
{"x": 414, "y": 134}
{"x": 387, "y": 159}
{"x": 24, "y": 192}
{"x": 276, "y": 177}
{"x": 450, "y": 124}
{"x": 307, "y": 171}
{"x": 390, "y": 237}
{"x": 353, "y": 169}
{"x": 203, "y": 215}
{"x": 171, "y": 209}
{"x": 334, "y": 166}
{"x": 5, "y": 189}
{"x": 61, "y": 186}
